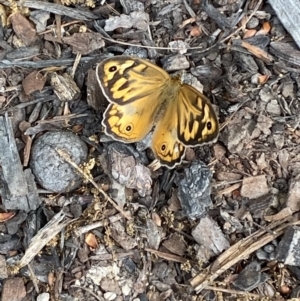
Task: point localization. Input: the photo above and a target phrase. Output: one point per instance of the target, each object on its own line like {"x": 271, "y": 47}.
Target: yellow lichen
{"x": 88, "y": 3}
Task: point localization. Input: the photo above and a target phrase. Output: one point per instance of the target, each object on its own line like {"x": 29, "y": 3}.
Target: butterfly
{"x": 143, "y": 97}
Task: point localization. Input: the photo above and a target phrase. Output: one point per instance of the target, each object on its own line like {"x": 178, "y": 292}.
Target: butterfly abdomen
{"x": 169, "y": 92}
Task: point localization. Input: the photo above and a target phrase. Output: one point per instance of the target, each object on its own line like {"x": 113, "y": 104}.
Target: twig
{"x": 67, "y": 158}
{"x": 166, "y": 256}
{"x": 50, "y": 230}
{"x": 241, "y": 250}
{"x": 33, "y": 278}
{"x": 232, "y": 292}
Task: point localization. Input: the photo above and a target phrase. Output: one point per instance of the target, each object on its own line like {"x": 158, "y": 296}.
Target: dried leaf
{"x": 34, "y": 81}
{"x": 5, "y": 216}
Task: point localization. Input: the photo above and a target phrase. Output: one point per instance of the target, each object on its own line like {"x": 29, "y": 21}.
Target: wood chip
{"x": 254, "y": 187}
{"x": 34, "y": 81}
{"x": 64, "y": 86}
{"x": 84, "y": 42}
{"x": 288, "y": 13}
{"x": 288, "y": 248}
{"x": 119, "y": 234}
{"x": 175, "y": 244}
{"x": 20, "y": 191}
{"x": 23, "y": 28}
{"x": 208, "y": 233}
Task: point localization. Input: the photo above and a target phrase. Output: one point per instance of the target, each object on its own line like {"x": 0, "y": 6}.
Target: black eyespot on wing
{"x": 209, "y": 125}
{"x": 163, "y": 147}
{"x": 112, "y": 69}
{"x": 128, "y": 128}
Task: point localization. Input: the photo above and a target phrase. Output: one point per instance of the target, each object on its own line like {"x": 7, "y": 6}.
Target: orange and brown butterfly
{"x": 143, "y": 96}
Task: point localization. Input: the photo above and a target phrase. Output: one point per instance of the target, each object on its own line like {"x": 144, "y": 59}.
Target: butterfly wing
{"x": 197, "y": 120}
{"x": 124, "y": 79}
{"x": 189, "y": 120}
{"x": 165, "y": 144}
{"x": 133, "y": 87}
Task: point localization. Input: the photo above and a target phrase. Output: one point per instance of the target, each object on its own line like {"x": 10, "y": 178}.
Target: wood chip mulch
{"x": 84, "y": 217}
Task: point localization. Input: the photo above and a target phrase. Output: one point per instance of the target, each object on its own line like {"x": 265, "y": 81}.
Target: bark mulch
{"x": 84, "y": 217}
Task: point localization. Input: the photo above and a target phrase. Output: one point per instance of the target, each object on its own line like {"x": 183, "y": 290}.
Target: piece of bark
{"x": 121, "y": 237}
{"x": 52, "y": 228}
{"x": 34, "y": 81}
{"x": 23, "y": 28}
{"x": 175, "y": 63}
{"x": 19, "y": 190}
{"x": 288, "y": 13}
{"x": 10, "y": 160}
{"x": 286, "y": 51}
{"x": 127, "y": 171}
{"x": 194, "y": 190}
{"x": 254, "y": 187}
{"x": 137, "y": 20}
{"x": 39, "y": 18}
{"x": 154, "y": 235}
{"x": 288, "y": 248}
{"x": 14, "y": 224}
{"x": 84, "y": 42}
{"x": 95, "y": 97}
{"x": 208, "y": 233}
{"x": 237, "y": 135}
{"x": 3, "y": 268}
{"x": 60, "y": 9}
{"x": 250, "y": 277}
{"x": 64, "y": 86}
{"x": 175, "y": 244}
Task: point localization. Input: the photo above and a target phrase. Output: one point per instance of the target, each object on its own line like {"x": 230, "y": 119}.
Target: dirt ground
{"x": 89, "y": 214}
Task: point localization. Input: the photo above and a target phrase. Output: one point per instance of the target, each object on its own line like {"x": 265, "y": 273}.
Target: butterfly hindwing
{"x": 197, "y": 121}
{"x": 165, "y": 144}
{"x": 128, "y": 123}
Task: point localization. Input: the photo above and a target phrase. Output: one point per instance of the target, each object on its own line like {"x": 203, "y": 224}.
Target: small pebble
{"x": 269, "y": 248}
{"x": 261, "y": 254}
{"x": 252, "y": 23}
{"x": 284, "y": 289}
{"x": 272, "y": 256}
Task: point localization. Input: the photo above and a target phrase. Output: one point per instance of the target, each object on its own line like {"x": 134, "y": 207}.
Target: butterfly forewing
{"x": 124, "y": 79}
{"x": 134, "y": 87}
{"x": 197, "y": 121}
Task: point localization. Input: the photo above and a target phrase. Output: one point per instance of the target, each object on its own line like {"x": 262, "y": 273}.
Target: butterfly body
{"x": 142, "y": 96}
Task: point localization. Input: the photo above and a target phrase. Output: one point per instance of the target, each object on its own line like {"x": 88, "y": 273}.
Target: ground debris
{"x": 250, "y": 277}
{"x": 208, "y": 234}
{"x": 194, "y": 191}
{"x": 287, "y": 250}
{"x": 254, "y": 187}
{"x": 223, "y": 224}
